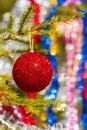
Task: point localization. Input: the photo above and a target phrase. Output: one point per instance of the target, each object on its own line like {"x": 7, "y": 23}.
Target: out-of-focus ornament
{"x": 36, "y": 18}
{"x": 32, "y": 72}
{"x": 28, "y": 119}
{"x": 73, "y": 38}
{"x": 19, "y": 113}
{"x": 53, "y": 2}
{"x": 54, "y": 49}
{"x": 36, "y": 12}
{"x": 82, "y": 73}
{"x": 48, "y": 44}
{"x": 84, "y": 91}
{"x": 51, "y": 118}
{"x": 43, "y": 117}
{"x": 32, "y": 95}
{"x": 60, "y": 2}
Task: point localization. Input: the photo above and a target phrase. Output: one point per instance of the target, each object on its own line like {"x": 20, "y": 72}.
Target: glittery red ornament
{"x": 32, "y": 72}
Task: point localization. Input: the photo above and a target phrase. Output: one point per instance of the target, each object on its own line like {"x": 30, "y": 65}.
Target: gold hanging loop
{"x": 31, "y": 43}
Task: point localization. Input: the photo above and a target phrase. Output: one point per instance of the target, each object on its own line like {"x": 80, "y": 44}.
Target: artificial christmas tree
{"x": 32, "y": 71}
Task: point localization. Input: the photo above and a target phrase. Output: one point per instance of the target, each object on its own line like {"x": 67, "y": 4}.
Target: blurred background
{"x": 17, "y": 6}
{"x": 7, "y": 5}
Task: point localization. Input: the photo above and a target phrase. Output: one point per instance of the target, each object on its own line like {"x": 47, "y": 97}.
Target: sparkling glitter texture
{"x": 32, "y": 72}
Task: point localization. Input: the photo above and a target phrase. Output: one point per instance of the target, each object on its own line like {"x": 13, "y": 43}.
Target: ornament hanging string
{"x": 31, "y": 43}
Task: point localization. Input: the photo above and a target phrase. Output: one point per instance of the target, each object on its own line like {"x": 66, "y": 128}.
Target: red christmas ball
{"x": 32, "y": 72}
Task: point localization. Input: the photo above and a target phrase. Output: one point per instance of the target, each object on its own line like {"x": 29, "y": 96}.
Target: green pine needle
{"x": 9, "y": 23}
{"x": 7, "y": 31}
{"x": 26, "y": 17}
{"x": 13, "y": 96}
{"x": 10, "y": 95}
{"x": 56, "y": 19}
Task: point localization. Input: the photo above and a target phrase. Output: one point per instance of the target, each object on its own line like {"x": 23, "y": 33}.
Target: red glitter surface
{"x": 32, "y": 72}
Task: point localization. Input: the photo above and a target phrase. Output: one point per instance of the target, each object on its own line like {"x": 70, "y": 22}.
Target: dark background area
{"x": 84, "y": 1}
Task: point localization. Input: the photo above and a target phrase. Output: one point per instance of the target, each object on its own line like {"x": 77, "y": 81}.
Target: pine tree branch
{"x": 12, "y": 96}
{"x": 9, "y": 95}
{"x": 10, "y": 35}
{"x": 57, "y": 19}
{"x": 11, "y": 59}
{"x": 9, "y": 23}
{"x": 21, "y": 40}
{"x": 4, "y": 79}
{"x": 26, "y": 14}
{"x": 5, "y": 53}
{"x": 52, "y": 30}
{"x": 48, "y": 32}
{"x": 2, "y": 29}
{"x": 26, "y": 17}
